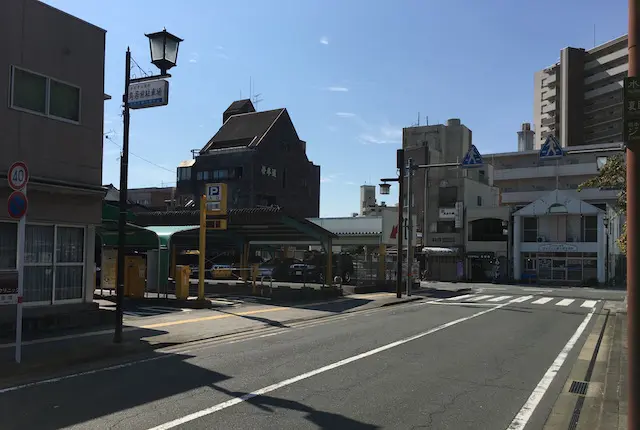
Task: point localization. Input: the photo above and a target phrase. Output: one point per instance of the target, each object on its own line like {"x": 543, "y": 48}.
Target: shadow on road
{"x": 324, "y": 420}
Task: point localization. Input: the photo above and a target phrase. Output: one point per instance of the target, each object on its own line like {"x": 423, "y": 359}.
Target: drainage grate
{"x": 579, "y": 387}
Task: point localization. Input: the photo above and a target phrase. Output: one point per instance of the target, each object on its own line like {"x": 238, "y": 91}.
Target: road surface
{"x": 476, "y": 361}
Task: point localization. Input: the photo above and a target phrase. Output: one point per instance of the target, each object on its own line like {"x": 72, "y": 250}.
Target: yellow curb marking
{"x": 214, "y": 317}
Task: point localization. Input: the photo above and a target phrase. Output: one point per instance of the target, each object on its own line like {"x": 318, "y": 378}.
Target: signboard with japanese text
{"x": 446, "y": 213}
{"x": 8, "y": 288}
{"x": 148, "y": 94}
{"x": 216, "y": 199}
{"x": 631, "y": 110}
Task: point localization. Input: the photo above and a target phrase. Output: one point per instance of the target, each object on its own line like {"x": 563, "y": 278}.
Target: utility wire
{"x": 106, "y": 136}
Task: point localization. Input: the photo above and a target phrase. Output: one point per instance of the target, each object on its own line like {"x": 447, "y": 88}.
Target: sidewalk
{"x": 143, "y": 335}
{"x": 595, "y": 394}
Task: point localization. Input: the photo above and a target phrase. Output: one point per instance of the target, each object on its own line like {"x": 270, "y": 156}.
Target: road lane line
{"x": 565, "y": 302}
{"x": 589, "y": 304}
{"x": 224, "y": 405}
{"x": 542, "y": 301}
{"x": 210, "y": 318}
{"x": 478, "y": 298}
{"x": 465, "y": 296}
{"x": 498, "y": 299}
{"x": 521, "y": 299}
{"x": 522, "y": 418}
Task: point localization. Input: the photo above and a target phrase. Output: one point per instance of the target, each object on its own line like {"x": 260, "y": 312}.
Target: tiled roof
{"x": 243, "y": 129}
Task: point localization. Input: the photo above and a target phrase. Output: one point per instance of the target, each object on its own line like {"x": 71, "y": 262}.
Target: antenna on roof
{"x": 255, "y": 98}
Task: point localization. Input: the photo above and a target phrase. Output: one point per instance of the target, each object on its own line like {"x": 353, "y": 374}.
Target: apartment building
{"x": 261, "y": 159}
{"x": 579, "y": 98}
{"x": 52, "y": 82}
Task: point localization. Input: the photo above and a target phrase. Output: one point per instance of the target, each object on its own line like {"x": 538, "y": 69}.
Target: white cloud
{"x": 346, "y": 114}
{"x": 194, "y": 57}
{"x": 384, "y": 135}
{"x": 332, "y": 128}
{"x": 324, "y": 40}
{"x": 350, "y": 183}
{"x": 330, "y": 178}
{"x": 338, "y": 89}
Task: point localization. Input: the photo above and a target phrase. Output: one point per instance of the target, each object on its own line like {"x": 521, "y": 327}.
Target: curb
{"x": 402, "y": 301}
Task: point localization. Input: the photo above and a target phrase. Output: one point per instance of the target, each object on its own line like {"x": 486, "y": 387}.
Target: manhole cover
{"x": 579, "y": 387}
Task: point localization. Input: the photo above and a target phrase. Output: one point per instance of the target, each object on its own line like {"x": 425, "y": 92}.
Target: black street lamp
{"x": 164, "y": 50}
{"x": 164, "y": 55}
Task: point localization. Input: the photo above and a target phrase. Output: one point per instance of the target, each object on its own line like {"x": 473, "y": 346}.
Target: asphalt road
{"x": 413, "y": 366}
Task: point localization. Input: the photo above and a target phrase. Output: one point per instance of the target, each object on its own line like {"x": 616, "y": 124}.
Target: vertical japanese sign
{"x": 631, "y": 110}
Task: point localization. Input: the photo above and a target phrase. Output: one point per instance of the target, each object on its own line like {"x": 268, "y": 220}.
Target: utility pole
{"x": 633, "y": 237}
{"x": 401, "y": 174}
{"x": 409, "y": 224}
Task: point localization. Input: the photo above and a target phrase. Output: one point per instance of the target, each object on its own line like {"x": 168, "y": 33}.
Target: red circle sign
{"x": 17, "y": 205}
{"x": 18, "y": 175}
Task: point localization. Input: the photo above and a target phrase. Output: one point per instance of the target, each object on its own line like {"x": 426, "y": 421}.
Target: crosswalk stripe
{"x": 565, "y": 302}
{"x": 498, "y": 299}
{"x": 542, "y": 300}
{"x": 589, "y": 304}
{"x": 465, "y": 296}
{"x": 521, "y": 299}
{"x": 478, "y": 298}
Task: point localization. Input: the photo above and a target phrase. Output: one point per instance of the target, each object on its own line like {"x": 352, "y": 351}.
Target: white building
{"x": 561, "y": 239}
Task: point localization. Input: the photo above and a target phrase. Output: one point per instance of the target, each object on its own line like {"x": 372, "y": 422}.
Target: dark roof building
{"x": 261, "y": 159}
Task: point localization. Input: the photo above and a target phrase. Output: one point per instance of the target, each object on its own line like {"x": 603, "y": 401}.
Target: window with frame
{"x": 8, "y": 245}
{"x": 54, "y": 263}
{"x": 529, "y": 229}
{"x": 40, "y": 94}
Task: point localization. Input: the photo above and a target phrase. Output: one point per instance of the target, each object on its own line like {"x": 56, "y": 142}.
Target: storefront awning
{"x": 433, "y": 250}
{"x": 165, "y": 232}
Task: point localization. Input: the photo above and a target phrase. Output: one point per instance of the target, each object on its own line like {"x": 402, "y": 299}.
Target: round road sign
{"x": 18, "y": 175}
{"x": 17, "y": 205}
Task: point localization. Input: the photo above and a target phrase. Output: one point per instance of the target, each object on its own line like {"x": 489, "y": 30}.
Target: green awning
{"x": 111, "y": 213}
{"x": 135, "y": 236}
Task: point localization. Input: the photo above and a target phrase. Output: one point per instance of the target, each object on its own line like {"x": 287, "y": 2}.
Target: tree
{"x": 613, "y": 176}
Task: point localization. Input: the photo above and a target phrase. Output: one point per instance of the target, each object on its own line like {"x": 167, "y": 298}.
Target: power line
{"x": 106, "y": 136}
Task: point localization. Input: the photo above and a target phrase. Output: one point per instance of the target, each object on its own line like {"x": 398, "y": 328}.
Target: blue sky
{"x": 352, "y": 73}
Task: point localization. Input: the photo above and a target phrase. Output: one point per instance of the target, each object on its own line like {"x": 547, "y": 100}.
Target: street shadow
{"x": 322, "y": 419}
{"x": 262, "y": 320}
{"x": 337, "y": 306}
{"x": 441, "y": 294}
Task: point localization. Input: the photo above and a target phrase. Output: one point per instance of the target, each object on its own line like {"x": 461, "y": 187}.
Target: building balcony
{"x": 548, "y": 121}
{"x": 523, "y": 197}
{"x": 549, "y": 94}
{"x": 550, "y": 107}
{"x": 562, "y": 170}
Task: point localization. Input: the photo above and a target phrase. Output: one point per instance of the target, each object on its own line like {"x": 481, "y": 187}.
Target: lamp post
{"x": 164, "y": 55}
{"x": 384, "y": 189}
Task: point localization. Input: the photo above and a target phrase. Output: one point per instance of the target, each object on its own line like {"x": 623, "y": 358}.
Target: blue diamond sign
{"x": 473, "y": 158}
{"x": 551, "y": 149}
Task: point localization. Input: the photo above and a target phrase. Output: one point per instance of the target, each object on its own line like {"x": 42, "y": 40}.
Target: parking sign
{"x": 216, "y": 198}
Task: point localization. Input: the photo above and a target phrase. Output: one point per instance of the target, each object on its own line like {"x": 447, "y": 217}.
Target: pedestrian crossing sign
{"x": 551, "y": 149}
{"x": 473, "y": 158}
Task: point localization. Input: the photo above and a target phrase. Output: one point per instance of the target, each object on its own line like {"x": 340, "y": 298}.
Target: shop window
{"x": 8, "y": 245}
{"x": 54, "y": 263}
{"x": 69, "y": 263}
{"x": 529, "y": 229}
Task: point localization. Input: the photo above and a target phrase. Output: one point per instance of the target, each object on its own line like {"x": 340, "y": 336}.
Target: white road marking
{"x": 589, "y": 304}
{"x": 521, "y": 299}
{"x": 565, "y": 302}
{"x": 460, "y": 297}
{"x": 224, "y": 405}
{"x": 523, "y": 417}
{"x": 478, "y": 298}
{"x": 498, "y": 299}
{"x": 542, "y": 300}
{"x": 468, "y": 304}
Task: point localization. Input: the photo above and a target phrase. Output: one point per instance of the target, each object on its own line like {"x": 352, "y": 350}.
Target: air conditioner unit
{"x": 542, "y": 239}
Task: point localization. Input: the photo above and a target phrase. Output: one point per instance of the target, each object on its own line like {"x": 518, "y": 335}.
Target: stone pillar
{"x": 602, "y": 249}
